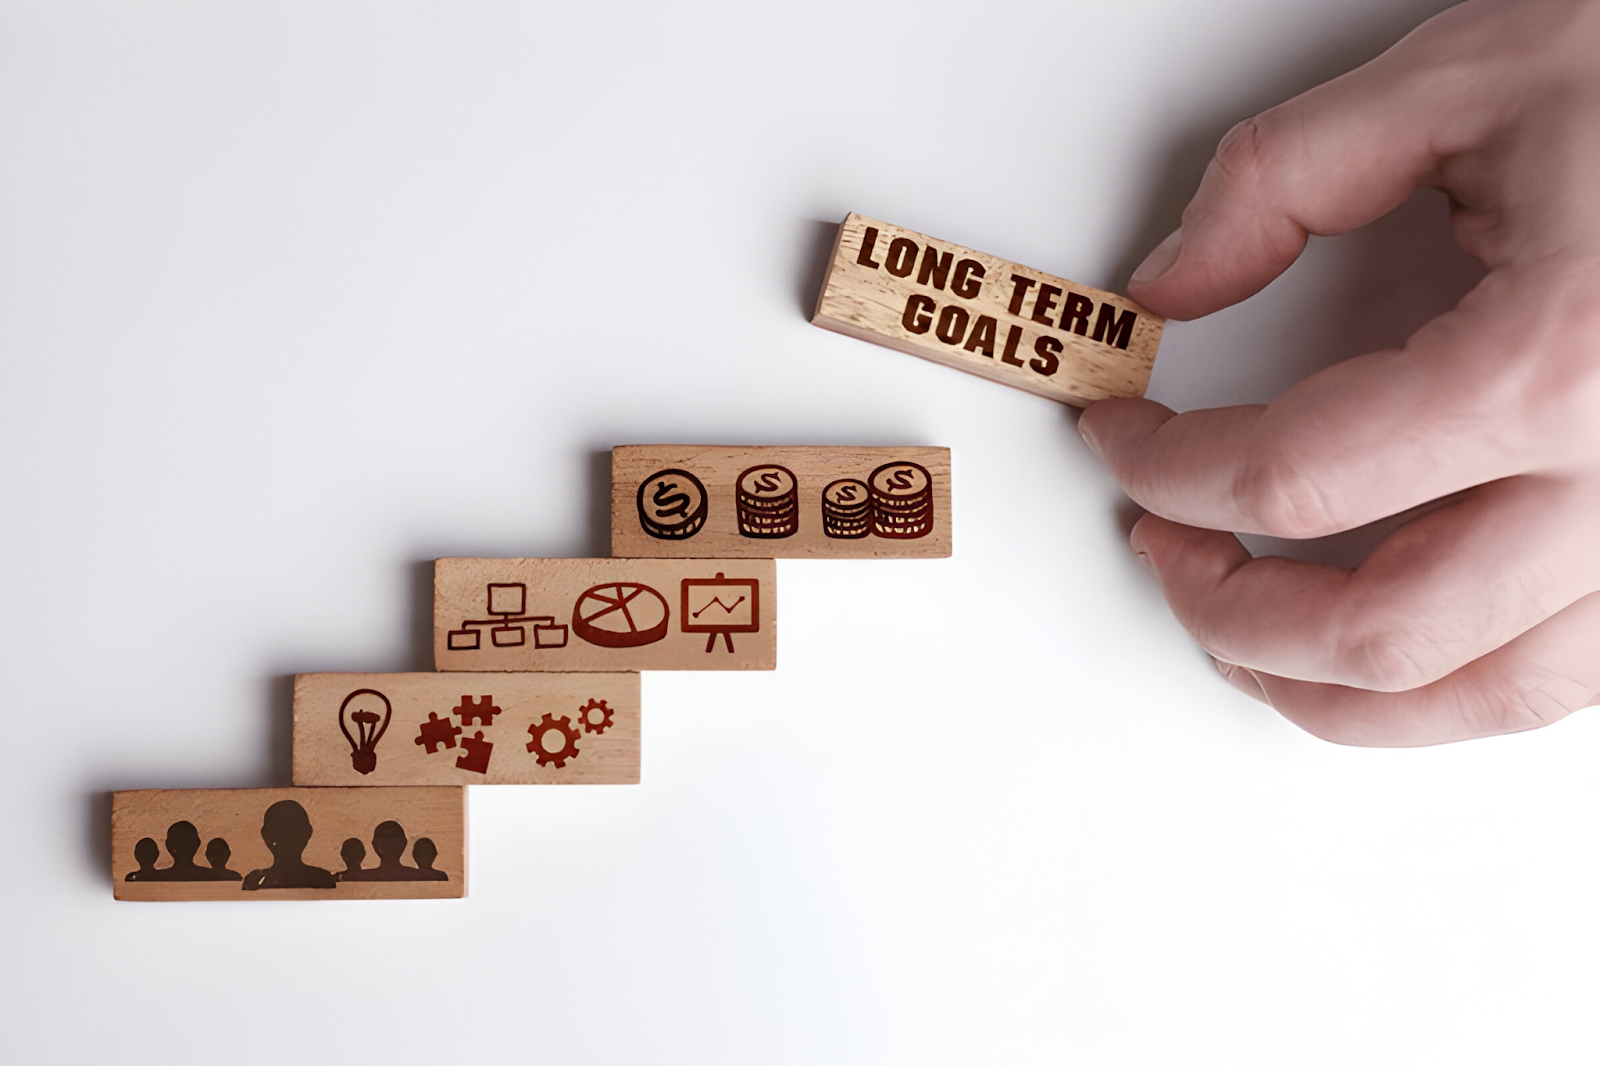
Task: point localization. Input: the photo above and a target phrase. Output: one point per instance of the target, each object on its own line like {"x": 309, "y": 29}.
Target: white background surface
{"x": 295, "y": 297}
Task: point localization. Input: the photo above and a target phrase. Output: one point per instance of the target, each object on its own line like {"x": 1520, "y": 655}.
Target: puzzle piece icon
{"x": 436, "y": 731}
{"x": 481, "y": 712}
{"x": 477, "y": 757}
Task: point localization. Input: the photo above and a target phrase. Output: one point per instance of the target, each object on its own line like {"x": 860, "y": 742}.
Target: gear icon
{"x": 585, "y": 715}
{"x": 541, "y": 729}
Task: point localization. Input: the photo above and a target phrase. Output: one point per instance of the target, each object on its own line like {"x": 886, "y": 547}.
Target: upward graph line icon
{"x": 717, "y": 601}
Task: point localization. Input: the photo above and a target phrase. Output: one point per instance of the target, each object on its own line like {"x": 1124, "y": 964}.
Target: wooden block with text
{"x": 985, "y": 315}
{"x": 604, "y": 614}
{"x": 463, "y": 729}
{"x": 785, "y": 502}
{"x": 289, "y": 843}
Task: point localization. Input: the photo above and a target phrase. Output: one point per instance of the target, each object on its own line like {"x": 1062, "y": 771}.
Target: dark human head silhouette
{"x": 286, "y": 830}
{"x": 352, "y": 851}
{"x": 423, "y": 853}
{"x": 389, "y": 841}
{"x": 217, "y": 853}
{"x": 145, "y": 853}
{"x": 183, "y": 840}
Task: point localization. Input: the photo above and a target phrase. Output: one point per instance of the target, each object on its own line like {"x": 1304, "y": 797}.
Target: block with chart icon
{"x": 795, "y": 502}
{"x": 985, "y": 315}
{"x": 603, "y": 615}
{"x": 289, "y": 843}
{"x": 466, "y": 728}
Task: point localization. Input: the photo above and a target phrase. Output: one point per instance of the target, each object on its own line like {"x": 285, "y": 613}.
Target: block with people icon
{"x": 289, "y": 843}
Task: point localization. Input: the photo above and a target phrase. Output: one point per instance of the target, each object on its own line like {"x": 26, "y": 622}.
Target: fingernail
{"x": 1160, "y": 260}
{"x": 1243, "y": 680}
{"x": 1088, "y": 438}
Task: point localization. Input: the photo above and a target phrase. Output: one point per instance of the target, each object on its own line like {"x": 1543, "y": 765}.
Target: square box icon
{"x": 508, "y": 599}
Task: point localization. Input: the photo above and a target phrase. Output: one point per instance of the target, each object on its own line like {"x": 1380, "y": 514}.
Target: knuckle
{"x": 1391, "y": 660}
{"x": 1282, "y": 498}
{"x": 1252, "y": 149}
{"x": 1239, "y": 152}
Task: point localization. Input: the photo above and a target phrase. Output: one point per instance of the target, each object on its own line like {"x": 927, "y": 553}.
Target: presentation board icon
{"x": 780, "y": 502}
{"x": 720, "y": 607}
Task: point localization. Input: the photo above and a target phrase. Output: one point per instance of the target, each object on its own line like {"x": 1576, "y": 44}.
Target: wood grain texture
{"x": 985, "y": 315}
{"x": 604, "y": 614}
{"x": 679, "y": 500}
{"x": 464, "y": 729}
{"x": 289, "y": 843}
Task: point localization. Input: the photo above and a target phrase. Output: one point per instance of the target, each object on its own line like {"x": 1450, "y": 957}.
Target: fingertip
{"x": 1107, "y": 426}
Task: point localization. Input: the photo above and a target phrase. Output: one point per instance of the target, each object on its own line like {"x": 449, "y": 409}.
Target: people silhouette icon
{"x": 423, "y": 853}
{"x": 183, "y": 843}
{"x": 217, "y": 855}
{"x": 145, "y": 853}
{"x": 353, "y": 852}
{"x": 286, "y": 830}
{"x": 389, "y": 844}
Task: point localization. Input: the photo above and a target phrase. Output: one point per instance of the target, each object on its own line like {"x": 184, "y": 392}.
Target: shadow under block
{"x": 987, "y": 316}
{"x": 464, "y": 729}
{"x": 670, "y": 501}
{"x": 604, "y": 614}
{"x": 289, "y": 843}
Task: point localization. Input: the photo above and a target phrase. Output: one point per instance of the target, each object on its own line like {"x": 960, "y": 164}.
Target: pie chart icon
{"x": 621, "y": 614}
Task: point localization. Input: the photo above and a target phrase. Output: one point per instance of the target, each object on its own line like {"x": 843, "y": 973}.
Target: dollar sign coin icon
{"x": 846, "y": 509}
{"x": 672, "y": 504}
{"x": 902, "y": 501}
{"x": 768, "y": 500}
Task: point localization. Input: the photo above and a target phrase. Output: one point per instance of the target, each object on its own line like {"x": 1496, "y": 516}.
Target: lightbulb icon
{"x": 368, "y": 727}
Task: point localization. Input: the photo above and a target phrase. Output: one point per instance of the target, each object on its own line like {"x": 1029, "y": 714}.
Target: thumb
{"x": 1329, "y": 161}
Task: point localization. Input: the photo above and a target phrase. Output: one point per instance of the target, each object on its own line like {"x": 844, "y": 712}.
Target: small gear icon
{"x": 541, "y": 729}
{"x": 586, "y": 716}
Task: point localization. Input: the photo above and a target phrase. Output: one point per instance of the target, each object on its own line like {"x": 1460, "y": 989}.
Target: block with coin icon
{"x": 779, "y": 502}
{"x": 602, "y": 615}
{"x": 985, "y": 315}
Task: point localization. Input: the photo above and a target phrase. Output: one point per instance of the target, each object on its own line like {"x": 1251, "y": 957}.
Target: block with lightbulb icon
{"x": 466, "y": 729}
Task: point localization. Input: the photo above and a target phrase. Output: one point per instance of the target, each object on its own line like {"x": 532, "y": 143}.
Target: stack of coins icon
{"x": 846, "y": 509}
{"x": 769, "y": 502}
{"x": 902, "y": 501}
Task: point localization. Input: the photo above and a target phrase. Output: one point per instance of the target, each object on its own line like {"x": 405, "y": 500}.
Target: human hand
{"x": 1482, "y": 616}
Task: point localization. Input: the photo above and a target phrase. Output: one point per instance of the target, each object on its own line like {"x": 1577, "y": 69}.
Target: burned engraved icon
{"x": 672, "y": 504}
{"x": 368, "y": 711}
{"x": 620, "y": 614}
{"x": 846, "y": 509}
{"x": 901, "y": 495}
{"x": 768, "y": 501}
{"x": 720, "y": 607}
{"x": 508, "y": 604}
{"x": 555, "y": 740}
